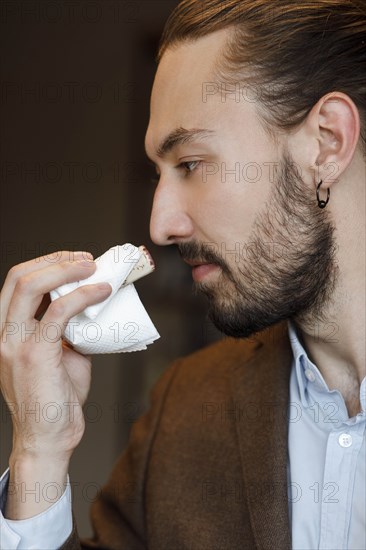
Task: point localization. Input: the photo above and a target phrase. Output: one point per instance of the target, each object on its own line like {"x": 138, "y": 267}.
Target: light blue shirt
{"x": 326, "y": 473}
{"x": 327, "y": 491}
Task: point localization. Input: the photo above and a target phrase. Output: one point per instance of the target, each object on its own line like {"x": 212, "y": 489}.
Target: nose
{"x": 170, "y": 221}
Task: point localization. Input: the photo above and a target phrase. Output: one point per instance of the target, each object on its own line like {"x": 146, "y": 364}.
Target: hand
{"x": 44, "y": 381}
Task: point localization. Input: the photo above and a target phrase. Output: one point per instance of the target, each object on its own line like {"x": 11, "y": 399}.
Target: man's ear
{"x": 335, "y": 121}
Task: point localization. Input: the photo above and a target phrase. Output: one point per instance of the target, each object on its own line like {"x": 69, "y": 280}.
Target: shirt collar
{"x": 308, "y": 375}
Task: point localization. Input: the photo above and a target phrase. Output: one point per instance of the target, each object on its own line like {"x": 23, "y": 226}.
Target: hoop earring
{"x": 321, "y": 203}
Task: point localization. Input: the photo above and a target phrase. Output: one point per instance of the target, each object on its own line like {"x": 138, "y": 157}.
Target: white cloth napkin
{"x": 119, "y": 323}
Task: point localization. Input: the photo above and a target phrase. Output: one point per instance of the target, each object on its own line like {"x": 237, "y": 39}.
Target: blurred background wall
{"x": 75, "y": 86}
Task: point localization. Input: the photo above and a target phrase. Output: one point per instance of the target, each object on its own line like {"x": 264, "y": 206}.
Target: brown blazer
{"x": 205, "y": 468}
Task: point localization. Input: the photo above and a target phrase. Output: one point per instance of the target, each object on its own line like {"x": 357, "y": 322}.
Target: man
{"x": 257, "y": 133}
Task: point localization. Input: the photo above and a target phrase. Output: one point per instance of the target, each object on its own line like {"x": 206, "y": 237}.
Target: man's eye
{"x": 189, "y": 166}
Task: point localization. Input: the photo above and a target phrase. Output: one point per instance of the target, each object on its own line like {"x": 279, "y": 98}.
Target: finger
{"x": 30, "y": 288}
{"x": 31, "y": 266}
{"x": 61, "y": 310}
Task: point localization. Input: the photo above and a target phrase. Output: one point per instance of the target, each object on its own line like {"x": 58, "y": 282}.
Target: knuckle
{"x": 70, "y": 264}
{"x": 65, "y": 267}
{"x": 15, "y": 272}
{"x": 84, "y": 291}
{"x": 84, "y": 294}
{"x": 57, "y": 308}
{"x": 24, "y": 283}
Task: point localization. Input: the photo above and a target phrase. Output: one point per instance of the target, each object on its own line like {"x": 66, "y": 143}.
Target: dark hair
{"x": 294, "y": 52}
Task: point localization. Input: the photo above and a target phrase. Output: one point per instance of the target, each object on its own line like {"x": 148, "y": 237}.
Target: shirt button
{"x": 310, "y": 375}
{"x": 345, "y": 440}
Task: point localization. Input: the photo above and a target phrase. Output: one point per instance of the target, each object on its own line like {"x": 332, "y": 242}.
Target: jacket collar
{"x": 260, "y": 386}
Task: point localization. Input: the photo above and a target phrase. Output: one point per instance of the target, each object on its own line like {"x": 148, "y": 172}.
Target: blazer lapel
{"x": 261, "y": 387}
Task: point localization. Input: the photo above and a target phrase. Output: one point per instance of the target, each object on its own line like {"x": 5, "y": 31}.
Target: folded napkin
{"x": 119, "y": 323}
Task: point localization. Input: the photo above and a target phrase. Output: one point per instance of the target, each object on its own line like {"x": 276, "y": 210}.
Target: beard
{"x": 287, "y": 268}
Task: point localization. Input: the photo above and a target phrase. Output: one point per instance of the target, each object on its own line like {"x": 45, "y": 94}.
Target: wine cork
{"x": 144, "y": 266}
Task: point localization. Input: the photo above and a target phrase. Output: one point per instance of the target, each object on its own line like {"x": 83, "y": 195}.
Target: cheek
{"x": 223, "y": 212}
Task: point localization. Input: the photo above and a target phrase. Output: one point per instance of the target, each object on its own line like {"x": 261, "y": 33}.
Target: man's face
{"x": 231, "y": 199}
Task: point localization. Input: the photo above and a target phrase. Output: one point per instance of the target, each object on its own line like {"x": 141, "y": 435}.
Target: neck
{"x": 342, "y": 366}
{"x": 336, "y": 345}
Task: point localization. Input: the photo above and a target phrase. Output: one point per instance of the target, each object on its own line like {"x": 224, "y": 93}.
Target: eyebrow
{"x": 181, "y": 136}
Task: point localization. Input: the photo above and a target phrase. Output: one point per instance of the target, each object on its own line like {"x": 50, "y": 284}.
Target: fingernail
{"x": 103, "y": 287}
{"x": 83, "y": 255}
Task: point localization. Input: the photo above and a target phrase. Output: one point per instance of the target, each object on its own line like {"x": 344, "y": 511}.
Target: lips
{"x": 201, "y": 271}
{"x": 195, "y": 263}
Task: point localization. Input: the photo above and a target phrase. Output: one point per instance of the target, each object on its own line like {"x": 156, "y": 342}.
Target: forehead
{"x": 181, "y": 92}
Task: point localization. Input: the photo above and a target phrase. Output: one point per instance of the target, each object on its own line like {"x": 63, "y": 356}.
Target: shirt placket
{"x": 336, "y": 493}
